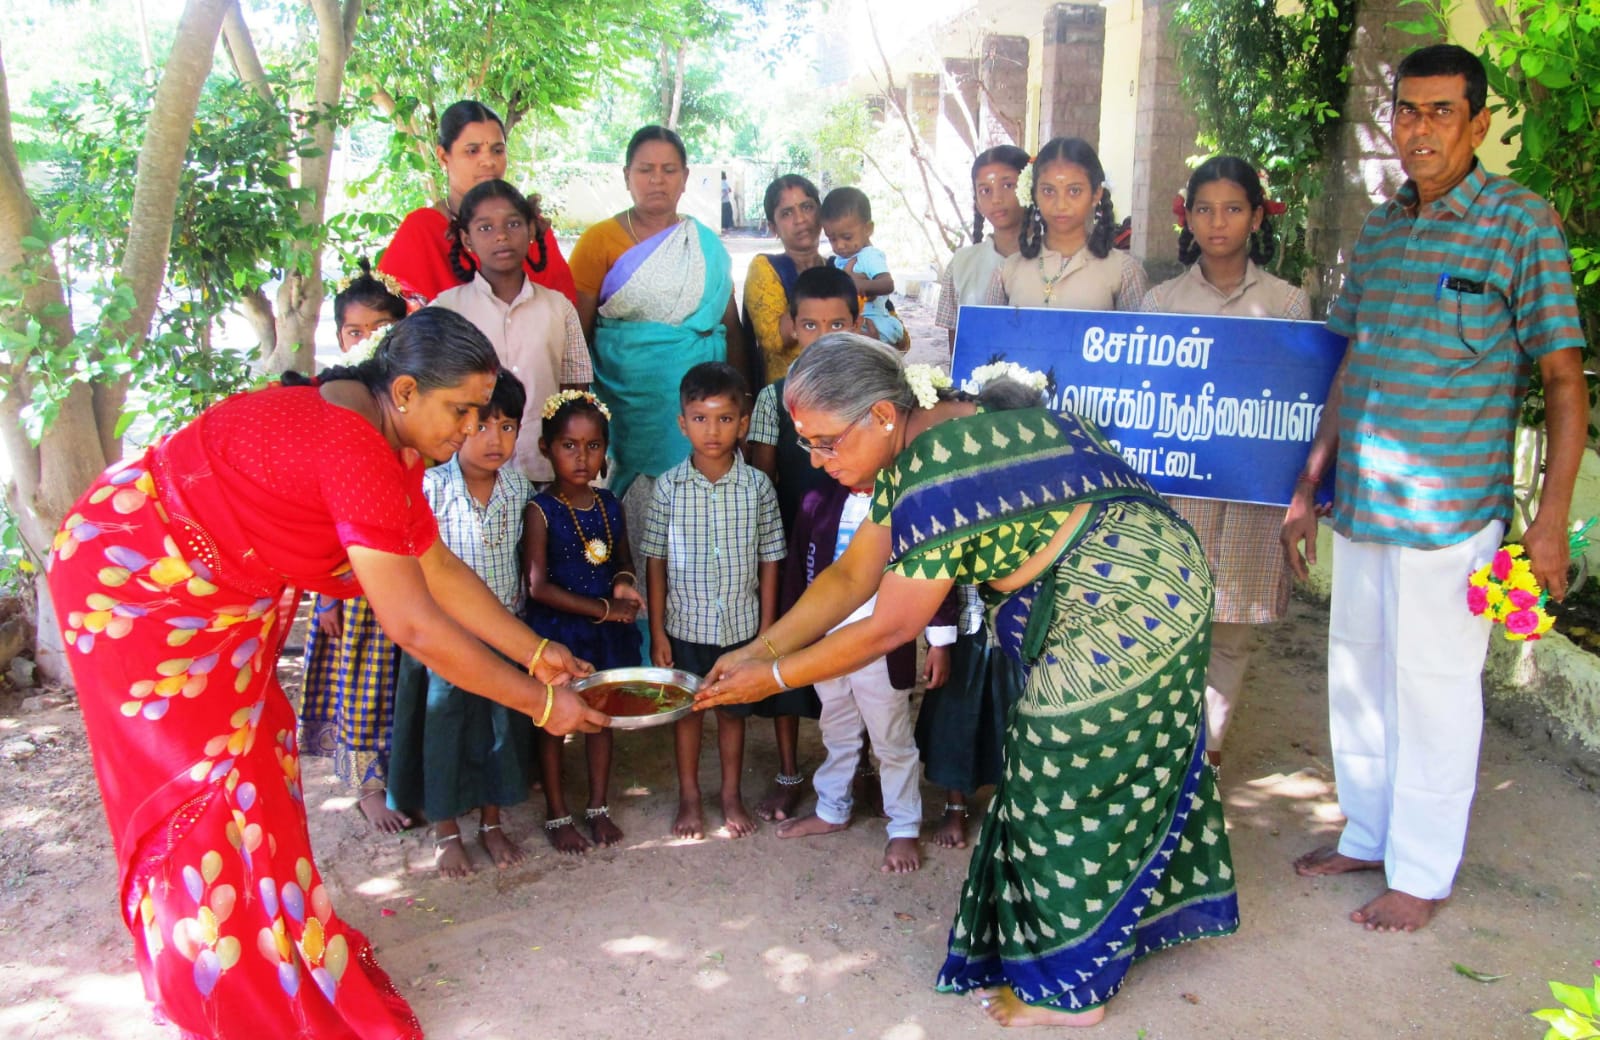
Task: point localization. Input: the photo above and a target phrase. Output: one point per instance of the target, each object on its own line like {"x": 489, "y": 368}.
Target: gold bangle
{"x": 770, "y": 648}
{"x": 549, "y": 704}
{"x": 618, "y": 577}
{"x": 603, "y": 618}
{"x": 533, "y": 662}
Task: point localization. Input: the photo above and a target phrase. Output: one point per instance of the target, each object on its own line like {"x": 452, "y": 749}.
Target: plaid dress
{"x": 1105, "y": 839}
{"x": 347, "y": 704}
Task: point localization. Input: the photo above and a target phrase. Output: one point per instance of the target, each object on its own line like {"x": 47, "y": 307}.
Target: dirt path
{"x": 804, "y": 939}
{"x": 771, "y": 938}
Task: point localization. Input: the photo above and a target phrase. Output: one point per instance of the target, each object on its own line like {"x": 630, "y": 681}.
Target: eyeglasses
{"x": 1404, "y": 114}
{"x": 830, "y": 449}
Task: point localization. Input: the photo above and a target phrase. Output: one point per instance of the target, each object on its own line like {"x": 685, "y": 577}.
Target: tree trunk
{"x": 81, "y": 442}
{"x": 300, "y": 294}
{"x": 677, "y": 88}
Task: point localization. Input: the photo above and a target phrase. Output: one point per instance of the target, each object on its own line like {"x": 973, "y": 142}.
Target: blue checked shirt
{"x": 488, "y": 538}
{"x": 714, "y": 538}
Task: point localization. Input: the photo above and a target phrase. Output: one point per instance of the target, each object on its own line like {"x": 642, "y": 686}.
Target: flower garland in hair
{"x": 383, "y": 278}
{"x": 1505, "y": 590}
{"x": 983, "y": 375}
{"x": 369, "y": 347}
{"x": 926, "y": 381}
{"x": 554, "y": 402}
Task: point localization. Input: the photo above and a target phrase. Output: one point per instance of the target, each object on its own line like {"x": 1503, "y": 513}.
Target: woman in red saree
{"x": 167, "y": 577}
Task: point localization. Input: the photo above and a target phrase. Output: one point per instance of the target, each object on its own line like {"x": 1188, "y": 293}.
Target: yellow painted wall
{"x": 1119, "y": 87}
{"x": 1466, "y": 26}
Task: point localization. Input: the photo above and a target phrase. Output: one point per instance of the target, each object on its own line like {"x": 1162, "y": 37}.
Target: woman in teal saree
{"x": 1105, "y": 839}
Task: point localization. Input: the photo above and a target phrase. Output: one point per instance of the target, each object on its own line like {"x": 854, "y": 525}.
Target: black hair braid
{"x": 461, "y": 261}
{"x": 977, "y": 221}
{"x": 1029, "y": 244}
{"x": 544, "y": 252}
{"x": 1264, "y": 243}
{"x": 1188, "y": 248}
{"x": 1104, "y": 233}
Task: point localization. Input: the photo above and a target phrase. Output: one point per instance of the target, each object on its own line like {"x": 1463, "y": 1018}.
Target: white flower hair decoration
{"x": 983, "y": 375}
{"x": 926, "y": 381}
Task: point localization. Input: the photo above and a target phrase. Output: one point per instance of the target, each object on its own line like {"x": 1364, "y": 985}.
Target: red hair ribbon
{"x": 1274, "y": 208}
{"x": 1180, "y": 210}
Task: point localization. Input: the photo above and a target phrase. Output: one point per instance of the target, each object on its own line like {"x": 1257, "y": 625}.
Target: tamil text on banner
{"x": 1202, "y": 406}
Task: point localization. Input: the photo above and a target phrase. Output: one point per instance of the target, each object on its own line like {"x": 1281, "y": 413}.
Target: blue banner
{"x": 1202, "y": 406}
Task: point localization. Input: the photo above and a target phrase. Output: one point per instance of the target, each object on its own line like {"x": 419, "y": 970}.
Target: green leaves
{"x": 1579, "y": 1016}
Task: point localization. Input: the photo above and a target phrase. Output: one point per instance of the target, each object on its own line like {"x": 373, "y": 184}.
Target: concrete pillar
{"x": 1361, "y": 168}
{"x": 922, "y": 103}
{"x": 958, "y": 110}
{"x": 1003, "y": 106}
{"x": 1164, "y": 129}
{"x": 1072, "y": 64}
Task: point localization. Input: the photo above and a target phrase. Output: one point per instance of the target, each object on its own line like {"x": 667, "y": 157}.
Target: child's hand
{"x": 330, "y": 619}
{"x": 868, "y": 329}
{"x": 624, "y": 612}
{"x": 625, "y": 592}
{"x": 786, "y": 328}
{"x": 660, "y": 652}
{"x": 936, "y": 669}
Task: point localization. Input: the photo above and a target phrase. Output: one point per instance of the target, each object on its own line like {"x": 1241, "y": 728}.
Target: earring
{"x": 889, "y": 426}
{"x": 402, "y": 409}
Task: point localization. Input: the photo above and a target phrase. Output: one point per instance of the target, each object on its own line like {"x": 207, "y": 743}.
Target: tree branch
{"x": 241, "y": 48}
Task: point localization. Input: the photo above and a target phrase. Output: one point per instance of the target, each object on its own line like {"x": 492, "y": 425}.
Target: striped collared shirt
{"x": 714, "y": 538}
{"x": 486, "y": 537}
{"x": 1445, "y": 313}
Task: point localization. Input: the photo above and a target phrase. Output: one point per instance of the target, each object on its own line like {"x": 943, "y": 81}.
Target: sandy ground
{"x": 717, "y": 938}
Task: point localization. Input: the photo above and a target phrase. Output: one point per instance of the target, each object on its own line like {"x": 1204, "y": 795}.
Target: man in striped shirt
{"x": 1456, "y": 288}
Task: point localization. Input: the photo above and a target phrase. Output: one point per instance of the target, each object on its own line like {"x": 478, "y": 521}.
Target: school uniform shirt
{"x": 1081, "y": 282}
{"x": 1240, "y": 539}
{"x": 966, "y": 281}
{"x": 714, "y": 538}
{"x": 538, "y": 338}
{"x": 486, "y": 537}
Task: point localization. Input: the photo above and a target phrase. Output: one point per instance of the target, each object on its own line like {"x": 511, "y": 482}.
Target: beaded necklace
{"x": 1050, "y": 283}
{"x": 595, "y": 550}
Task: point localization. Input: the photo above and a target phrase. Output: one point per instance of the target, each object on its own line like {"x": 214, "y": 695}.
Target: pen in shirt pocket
{"x": 1438, "y": 289}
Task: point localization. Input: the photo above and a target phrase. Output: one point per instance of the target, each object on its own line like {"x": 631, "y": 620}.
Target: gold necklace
{"x": 595, "y": 550}
{"x": 627, "y": 215}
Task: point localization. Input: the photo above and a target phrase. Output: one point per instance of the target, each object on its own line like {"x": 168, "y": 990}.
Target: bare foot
{"x": 809, "y": 826}
{"x": 867, "y": 793}
{"x": 1007, "y": 1009}
{"x": 566, "y": 839}
{"x": 901, "y": 856}
{"x": 952, "y": 832}
{"x": 1328, "y": 860}
{"x": 500, "y": 848}
{"x": 450, "y": 857}
{"x": 780, "y": 803}
{"x": 603, "y": 830}
{"x": 1396, "y": 912}
{"x": 375, "y": 807}
{"x": 691, "y": 822}
{"x": 736, "y": 818}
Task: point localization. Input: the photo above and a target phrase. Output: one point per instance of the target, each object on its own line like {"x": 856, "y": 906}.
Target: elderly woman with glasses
{"x": 1105, "y": 839}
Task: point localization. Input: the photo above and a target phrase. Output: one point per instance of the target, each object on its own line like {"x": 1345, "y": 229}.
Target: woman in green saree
{"x": 1105, "y": 839}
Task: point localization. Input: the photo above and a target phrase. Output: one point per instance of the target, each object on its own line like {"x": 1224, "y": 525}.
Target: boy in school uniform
{"x": 712, "y": 544}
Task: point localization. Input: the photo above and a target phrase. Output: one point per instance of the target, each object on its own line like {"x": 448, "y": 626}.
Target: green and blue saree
{"x": 1105, "y": 839}
{"x": 661, "y": 310}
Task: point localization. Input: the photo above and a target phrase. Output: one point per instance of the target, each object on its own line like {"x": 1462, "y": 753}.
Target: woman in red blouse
{"x": 167, "y": 577}
{"x": 472, "y": 149}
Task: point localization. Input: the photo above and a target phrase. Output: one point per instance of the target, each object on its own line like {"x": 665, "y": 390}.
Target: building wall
{"x": 1119, "y": 88}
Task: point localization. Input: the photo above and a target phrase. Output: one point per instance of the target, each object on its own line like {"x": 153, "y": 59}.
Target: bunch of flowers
{"x": 926, "y": 381}
{"x": 1505, "y": 590}
{"x": 983, "y": 375}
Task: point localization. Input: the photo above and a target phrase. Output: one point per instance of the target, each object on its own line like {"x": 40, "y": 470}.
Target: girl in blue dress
{"x": 581, "y": 592}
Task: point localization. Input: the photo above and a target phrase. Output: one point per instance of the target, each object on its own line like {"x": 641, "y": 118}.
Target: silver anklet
{"x": 953, "y": 807}
{"x": 486, "y": 827}
{"x": 558, "y": 823}
{"x": 786, "y": 780}
{"x": 596, "y": 813}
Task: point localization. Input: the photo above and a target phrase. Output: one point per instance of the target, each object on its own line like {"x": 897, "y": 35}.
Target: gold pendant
{"x": 596, "y": 551}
